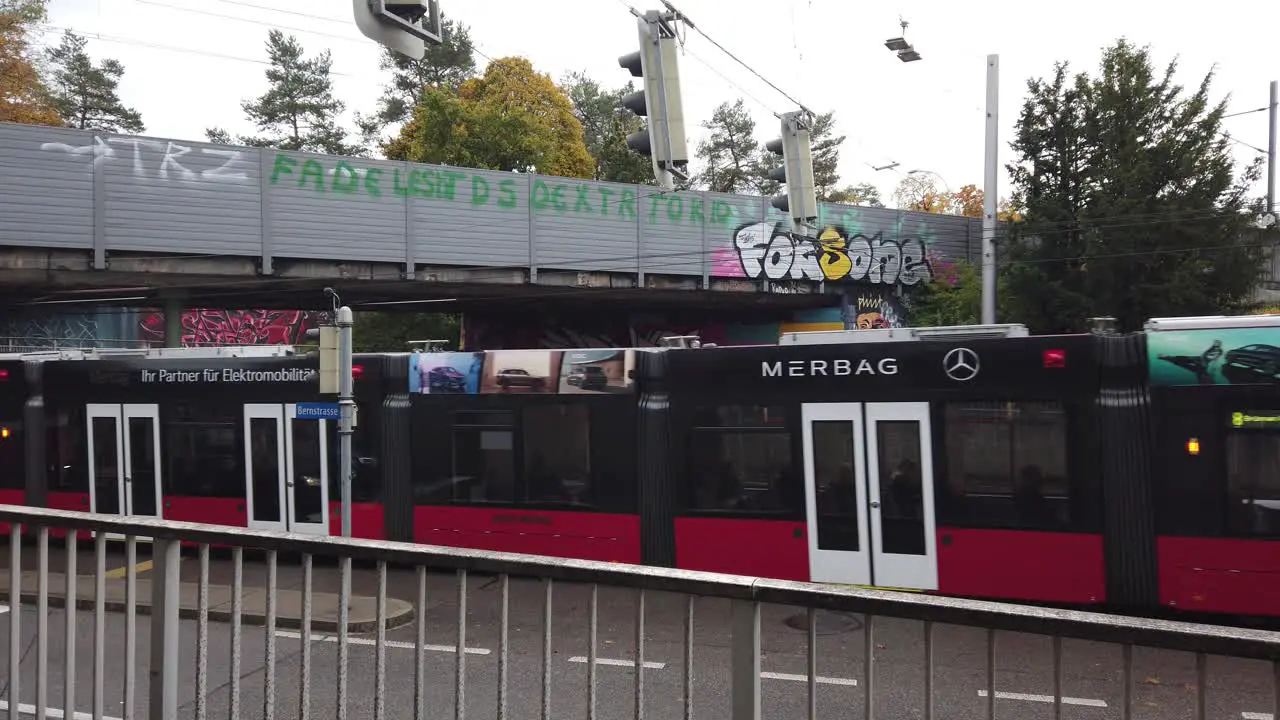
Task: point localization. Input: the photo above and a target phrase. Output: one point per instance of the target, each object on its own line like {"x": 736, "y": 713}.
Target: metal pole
{"x": 1271, "y": 149}
{"x": 659, "y": 134}
{"x": 347, "y": 406}
{"x": 990, "y": 192}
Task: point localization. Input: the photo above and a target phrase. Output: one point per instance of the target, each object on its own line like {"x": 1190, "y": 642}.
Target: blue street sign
{"x": 317, "y": 411}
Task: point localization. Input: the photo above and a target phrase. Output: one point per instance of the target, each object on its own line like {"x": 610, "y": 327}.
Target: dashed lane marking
{"x": 1087, "y": 702}
{"x": 398, "y": 644}
{"x": 53, "y": 712}
{"x": 1256, "y": 716}
{"x": 617, "y": 663}
{"x": 850, "y": 682}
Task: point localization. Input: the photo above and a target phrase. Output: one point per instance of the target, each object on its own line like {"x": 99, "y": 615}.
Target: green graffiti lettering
{"x": 653, "y": 207}
{"x": 696, "y": 211}
{"x": 583, "y": 205}
{"x": 675, "y": 208}
{"x": 606, "y": 194}
{"x": 627, "y": 205}
{"x": 557, "y": 199}
{"x": 313, "y": 170}
{"x": 721, "y": 212}
{"x": 283, "y": 163}
{"x": 344, "y": 172}
{"x": 451, "y": 178}
{"x": 507, "y": 194}
{"x": 541, "y": 196}
{"x": 401, "y": 187}
{"x": 420, "y": 184}
{"x": 371, "y": 181}
{"x": 479, "y": 191}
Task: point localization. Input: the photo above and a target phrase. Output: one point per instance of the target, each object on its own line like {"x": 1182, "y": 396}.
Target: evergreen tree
{"x": 731, "y": 155}
{"x": 299, "y": 110}
{"x": 1131, "y": 206}
{"x": 85, "y": 95}
{"x": 444, "y": 66}
{"x": 605, "y": 126}
{"x": 24, "y": 97}
{"x": 824, "y": 147}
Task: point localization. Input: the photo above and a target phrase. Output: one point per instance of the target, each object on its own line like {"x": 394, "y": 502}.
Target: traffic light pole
{"x": 990, "y": 192}
{"x": 347, "y": 407}
{"x": 664, "y": 177}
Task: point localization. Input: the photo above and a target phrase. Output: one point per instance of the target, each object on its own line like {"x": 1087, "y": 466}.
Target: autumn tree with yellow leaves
{"x": 24, "y": 98}
{"x": 511, "y": 118}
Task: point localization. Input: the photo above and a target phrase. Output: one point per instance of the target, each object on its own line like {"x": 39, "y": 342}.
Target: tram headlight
{"x": 1193, "y": 446}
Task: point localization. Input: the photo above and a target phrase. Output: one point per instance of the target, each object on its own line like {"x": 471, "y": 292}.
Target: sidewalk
{"x": 361, "y": 616}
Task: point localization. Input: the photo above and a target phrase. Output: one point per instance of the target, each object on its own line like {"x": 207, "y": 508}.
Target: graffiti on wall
{"x": 871, "y": 309}
{"x": 226, "y": 164}
{"x": 50, "y": 331}
{"x": 769, "y": 250}
{"x": 202, "y": 328}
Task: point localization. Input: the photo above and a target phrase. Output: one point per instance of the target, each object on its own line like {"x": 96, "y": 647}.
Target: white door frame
{"x": 895, "y": 570}
{"x": 265, "y": 411}
{"x": 846, "y": 567}
{"x": 870, "y": 564}
{"x": 150, "y": 412}
{"x": 296, "y": 524}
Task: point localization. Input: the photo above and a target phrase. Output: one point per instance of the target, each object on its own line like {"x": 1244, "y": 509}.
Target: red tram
{"x": 1132, "y": 471}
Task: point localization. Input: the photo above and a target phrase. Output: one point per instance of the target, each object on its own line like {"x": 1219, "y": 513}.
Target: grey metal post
{"x": 744, "y": 660}
{"x": 665, "y": 179}
{"x": 165, "y": 659}
{"x": 990, "y": 192}
{"x": 347, "y": 405}
{"x": 172, "y": 322}
{"x": 1271, "y": 149}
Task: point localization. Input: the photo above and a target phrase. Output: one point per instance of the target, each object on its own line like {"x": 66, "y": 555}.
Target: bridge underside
{"x": 48, "y": 279}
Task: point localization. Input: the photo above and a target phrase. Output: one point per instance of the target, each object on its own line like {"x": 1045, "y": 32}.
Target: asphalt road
{"x": 1163, "y": 684}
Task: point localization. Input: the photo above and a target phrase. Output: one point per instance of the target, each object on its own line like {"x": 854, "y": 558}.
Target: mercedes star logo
{"x": 961, "y": 364}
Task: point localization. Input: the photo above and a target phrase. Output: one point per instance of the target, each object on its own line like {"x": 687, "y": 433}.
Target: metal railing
{"x": 528, "y": 670}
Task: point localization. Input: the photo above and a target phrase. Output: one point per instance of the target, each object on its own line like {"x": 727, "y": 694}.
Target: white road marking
{"x": 53, "y": 712}
{"x": 805, "y": 678}
{"x": 617, "y": 663}
{"x": 4, "y": 609}
{"x": 390, "y": 643}
{"x": 1088, "y": 702}
{"x": 1256, "y": 716}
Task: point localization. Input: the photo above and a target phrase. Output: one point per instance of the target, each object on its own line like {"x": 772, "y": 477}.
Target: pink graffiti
{"x": 234, "y": 327}
{"x": 725, "y": 263}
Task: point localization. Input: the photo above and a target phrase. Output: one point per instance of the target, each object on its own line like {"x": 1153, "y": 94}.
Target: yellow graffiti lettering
{"x": 834, "y": 260}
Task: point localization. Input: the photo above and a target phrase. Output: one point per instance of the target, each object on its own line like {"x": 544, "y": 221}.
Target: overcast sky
{"x": 189, "y": 63}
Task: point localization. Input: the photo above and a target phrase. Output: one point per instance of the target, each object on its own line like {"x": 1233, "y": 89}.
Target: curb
{"x": 399, "y": 614}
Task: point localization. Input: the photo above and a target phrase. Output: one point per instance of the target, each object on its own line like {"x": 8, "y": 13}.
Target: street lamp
{"x": 906, "y": 53}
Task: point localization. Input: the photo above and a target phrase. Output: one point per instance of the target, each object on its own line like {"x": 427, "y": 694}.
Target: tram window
{"x": 739, "y": 459}
{"x": 68, "y": 451}
{"x": 366, "y": 478}
{"x": 13, "y": 471}
{"x": 1006, "y": 465}
{"x": 1253, "y": 483}
{"x": 557, "y": 453}
{"x": 483, "y": 458}
{"x": 205, "y": 458}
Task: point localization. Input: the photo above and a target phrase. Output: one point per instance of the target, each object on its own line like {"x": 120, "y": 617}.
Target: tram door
{"x": 868, "y": 471}
{"x": 286, "y": 476}
{"x": 124, "y": 459}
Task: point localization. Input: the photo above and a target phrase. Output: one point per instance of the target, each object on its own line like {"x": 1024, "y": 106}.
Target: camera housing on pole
{"x": 659, "y": 99}
{"x": 800, "y": 200}
{"x": 406, "y": 26}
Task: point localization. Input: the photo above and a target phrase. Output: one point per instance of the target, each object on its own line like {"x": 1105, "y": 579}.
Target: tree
{"x": 24, "y": 98}
{"x": 919, "y": 192}
{"x": 446, "y": 65}
{"x": 1132, "y": 208}
{"x": 731, "y": 153}
{"x": 298, "y": 111}
{"x": 84, "y": 94}
{"x": 860, "y": 194}
{"x": 824, "y": 147}
{"x": 392, "y": 331}
{"x": 512, "y": 118}
{"x": 605, "y": 126}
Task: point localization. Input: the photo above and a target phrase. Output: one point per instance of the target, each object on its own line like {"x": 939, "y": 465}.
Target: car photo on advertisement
{"x": 1258, "y": 358}
{"x": 518, "y": 377}
{"x": 445, "y": 379}
{"x": 587, "y": 377}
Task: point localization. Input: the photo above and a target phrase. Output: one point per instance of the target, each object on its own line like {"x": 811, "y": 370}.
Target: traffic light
{"x": 796, "y": 171}
{"x": 658, "y": 99}
{"x": 405, "y": 26}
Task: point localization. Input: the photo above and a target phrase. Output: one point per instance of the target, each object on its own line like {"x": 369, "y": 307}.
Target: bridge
{"x": 154, "y": 222}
